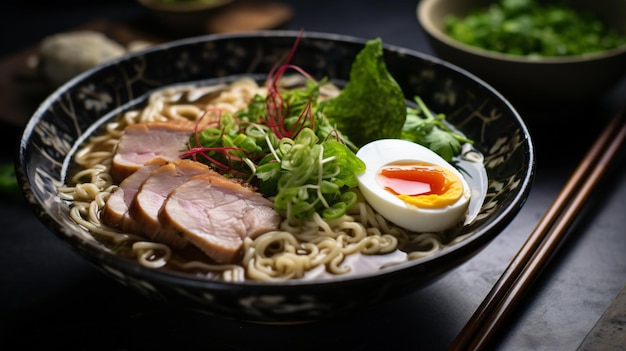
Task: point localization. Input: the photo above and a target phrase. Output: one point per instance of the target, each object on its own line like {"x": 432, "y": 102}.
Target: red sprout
{"x": 277, "y": 109}
{"x": 307, "y": 114}
{"x": 334, "y": 134}
{"x": 199, "y": 150}
{"x": 222, "y": 168}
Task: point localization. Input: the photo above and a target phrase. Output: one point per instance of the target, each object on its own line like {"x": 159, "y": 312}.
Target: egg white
{"x": 386, "y": 151}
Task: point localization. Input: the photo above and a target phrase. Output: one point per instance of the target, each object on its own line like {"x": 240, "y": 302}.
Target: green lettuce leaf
{"x": 371, "y": 105}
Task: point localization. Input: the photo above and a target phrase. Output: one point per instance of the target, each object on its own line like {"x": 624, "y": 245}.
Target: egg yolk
{"x": 422, "y": 185}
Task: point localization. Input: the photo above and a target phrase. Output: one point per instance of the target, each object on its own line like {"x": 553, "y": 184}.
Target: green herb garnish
{"x": 301, "y": 153}
{"x": 534, "y": 28}
{"x": 424, "y": 128}
{"x": 8, "y": 180}
{"x": 371, "y": 106}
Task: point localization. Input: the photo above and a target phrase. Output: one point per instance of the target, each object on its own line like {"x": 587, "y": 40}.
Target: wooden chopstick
{"x": 542, "y": 242}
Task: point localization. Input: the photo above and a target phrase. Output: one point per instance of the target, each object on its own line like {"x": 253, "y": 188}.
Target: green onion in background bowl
{"x": 538, "y": 78}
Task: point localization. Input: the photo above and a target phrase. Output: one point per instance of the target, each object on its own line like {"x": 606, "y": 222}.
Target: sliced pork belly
{"x": 215, "y": 213}
{"x": 144, "y": 141}
{"x": 115, "y": 211}
{"x": 145, "y": 207}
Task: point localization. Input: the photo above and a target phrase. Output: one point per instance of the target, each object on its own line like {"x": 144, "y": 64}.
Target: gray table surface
{"x": 51, "y": 298}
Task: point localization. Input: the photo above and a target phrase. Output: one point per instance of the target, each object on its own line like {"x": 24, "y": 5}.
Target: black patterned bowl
{"x": 71, "y": 112}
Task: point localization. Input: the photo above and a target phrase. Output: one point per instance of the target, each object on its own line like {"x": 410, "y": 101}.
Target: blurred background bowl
{"x": 525, "y": 81}
{"x": 73, "y": 111}
{"x": 197, "y": 17}
{"x": 183, "y": 16}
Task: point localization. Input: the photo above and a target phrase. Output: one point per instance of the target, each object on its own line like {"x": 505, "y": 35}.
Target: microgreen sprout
{"x": 293, "y": 148}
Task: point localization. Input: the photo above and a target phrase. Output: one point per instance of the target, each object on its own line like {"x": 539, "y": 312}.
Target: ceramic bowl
{"x": 68, "y": 115}
{"x": 534, "y": 82}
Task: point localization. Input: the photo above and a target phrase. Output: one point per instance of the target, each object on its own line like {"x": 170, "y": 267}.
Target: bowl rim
{"x": 471, "y": 244}
{"x": 424, "y": 8}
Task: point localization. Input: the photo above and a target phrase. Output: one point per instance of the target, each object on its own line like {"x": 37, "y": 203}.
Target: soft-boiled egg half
{"x": 412, "y": 186}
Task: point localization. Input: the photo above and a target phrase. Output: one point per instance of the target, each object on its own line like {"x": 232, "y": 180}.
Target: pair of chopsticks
{"x": 543, "y": 240}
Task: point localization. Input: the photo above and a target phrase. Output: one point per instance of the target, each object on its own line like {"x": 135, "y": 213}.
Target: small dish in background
{"x": 525, "y": 80}
{"x": 191, "y": 17}
{"x": 182, "y": 16}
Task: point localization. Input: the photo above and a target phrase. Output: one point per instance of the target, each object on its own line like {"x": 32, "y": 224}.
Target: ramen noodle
{"x": 314, "y": 248}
